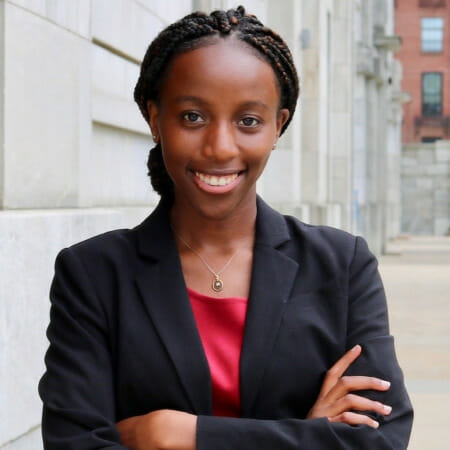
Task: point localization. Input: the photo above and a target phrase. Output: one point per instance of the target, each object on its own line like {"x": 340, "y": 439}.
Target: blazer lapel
{"x": 161, "y": 285}
{"x": 273, "y": 276}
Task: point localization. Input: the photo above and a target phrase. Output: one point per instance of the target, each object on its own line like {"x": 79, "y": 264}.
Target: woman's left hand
{"x": 337, "y": 400}
{"x": 165, "y": 429}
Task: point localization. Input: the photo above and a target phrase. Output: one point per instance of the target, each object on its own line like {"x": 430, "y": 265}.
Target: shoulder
{"x": 320, "y": 237}
{"x": 321, "y": 244}
{"x": 124, "y": 244}
{"x": 97, "y": 264}
{"x": 328, "y": 256}
{"x": 110, "y": 245}
{"x": 327, "y": 247}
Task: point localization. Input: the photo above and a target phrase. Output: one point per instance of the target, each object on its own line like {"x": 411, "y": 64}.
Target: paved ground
{"x": 416, "y": 274}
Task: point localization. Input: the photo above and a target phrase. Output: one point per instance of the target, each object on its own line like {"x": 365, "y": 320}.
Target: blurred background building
{"x": 73, "y": 146}
{"x": 425, "y": 57}
{"x": 424, "y": 27}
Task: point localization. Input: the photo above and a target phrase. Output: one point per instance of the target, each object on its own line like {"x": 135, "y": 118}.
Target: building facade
{"x": 425, "y": 188}
{"x": 425, "y": 57}
{"x": 351, "y": 117}
{"x": 74, "y": 146}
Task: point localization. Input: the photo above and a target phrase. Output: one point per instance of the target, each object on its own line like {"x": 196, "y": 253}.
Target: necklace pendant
{"x": 217, "y": 284}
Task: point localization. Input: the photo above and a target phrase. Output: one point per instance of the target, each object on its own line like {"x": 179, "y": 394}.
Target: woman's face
{"x": 217, "y": 120}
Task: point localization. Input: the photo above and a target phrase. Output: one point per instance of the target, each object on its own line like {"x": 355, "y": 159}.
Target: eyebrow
{"x": 190, "y": 98}
{"x": 194, "y": 99}
{"x": 253, "y": 103}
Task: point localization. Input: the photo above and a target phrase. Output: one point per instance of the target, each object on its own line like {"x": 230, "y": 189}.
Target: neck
{"x": 226, "y": 233}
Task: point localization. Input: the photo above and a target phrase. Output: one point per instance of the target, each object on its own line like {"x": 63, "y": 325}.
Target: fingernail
{"x": 385, "y": 384}
{"x": 356, "y": 347}
{"x": 387, "y": 409}
{"x": 376, "y": 424}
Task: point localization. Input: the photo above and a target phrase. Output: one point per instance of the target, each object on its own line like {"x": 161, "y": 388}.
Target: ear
{"x": 282, "y": 118}
{"x": 153, "y": 116}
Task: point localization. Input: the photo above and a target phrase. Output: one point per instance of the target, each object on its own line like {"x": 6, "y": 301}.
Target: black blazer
{"x": 123, "y": 340}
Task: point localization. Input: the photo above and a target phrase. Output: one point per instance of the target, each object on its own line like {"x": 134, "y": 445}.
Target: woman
{"x": 218, "y": 323}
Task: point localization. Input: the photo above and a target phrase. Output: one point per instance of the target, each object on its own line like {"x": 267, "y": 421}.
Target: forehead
{"x": 223, "y": 70}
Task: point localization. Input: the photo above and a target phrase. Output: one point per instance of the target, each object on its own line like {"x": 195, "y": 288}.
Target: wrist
{"x": 176, "y": 430}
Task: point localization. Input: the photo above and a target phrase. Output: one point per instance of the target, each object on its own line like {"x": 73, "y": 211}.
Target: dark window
{"x": 431, "y": 94}
{"x": 430, "y": 139}
{"x": 432, "y": 34}
{"x": 432, "y": 3}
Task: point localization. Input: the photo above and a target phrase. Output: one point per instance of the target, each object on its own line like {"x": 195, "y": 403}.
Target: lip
{"x": 217, "y": 189}
{"x": 217, "y": 172}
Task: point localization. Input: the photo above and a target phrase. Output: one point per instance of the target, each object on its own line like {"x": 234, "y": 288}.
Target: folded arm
{"x": 354, "y": 409}
{"x": 79, "y": 394}
{"x": 368, "y": 327}
{"x": 78, "y": 387}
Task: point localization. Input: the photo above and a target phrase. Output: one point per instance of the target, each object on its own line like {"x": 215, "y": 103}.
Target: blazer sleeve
{"x": 77, "y": 389}
{"x": 368, "y": 326}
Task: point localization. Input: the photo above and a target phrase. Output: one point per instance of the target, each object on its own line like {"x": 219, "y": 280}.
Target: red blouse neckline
{"x": 199, "y": 296}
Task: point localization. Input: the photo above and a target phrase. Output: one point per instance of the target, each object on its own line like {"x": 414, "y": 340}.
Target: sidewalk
{"x": 416, "y": 274}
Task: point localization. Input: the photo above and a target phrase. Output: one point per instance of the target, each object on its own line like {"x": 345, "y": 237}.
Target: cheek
{"x": 175, "y": 149}
{"x": 257, "y": 160}
{"x": 174, "y": 161}
{"x": 263, "y": 139}
{"x": 257, "y": 149}
{"x": 176, "y": 139}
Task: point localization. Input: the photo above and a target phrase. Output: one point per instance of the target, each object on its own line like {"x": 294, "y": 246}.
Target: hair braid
{"x": 193, "y": 31}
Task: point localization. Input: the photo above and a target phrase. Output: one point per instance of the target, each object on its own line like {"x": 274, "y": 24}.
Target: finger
{"x": 356, "y": 402}
{"x": 338, "y": 369}
{"x": 352, "y": 418}
{"x": 349, "y": 384}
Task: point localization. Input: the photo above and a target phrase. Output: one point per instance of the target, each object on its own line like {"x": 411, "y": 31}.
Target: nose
{"x": 220, "y": 142}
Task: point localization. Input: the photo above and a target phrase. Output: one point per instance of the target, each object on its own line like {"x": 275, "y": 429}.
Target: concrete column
{"x": 340, "y": 148}
{"x": 281, "y": 184}
{"x": 2, "y": 104}
{"x": 314, "y": 103}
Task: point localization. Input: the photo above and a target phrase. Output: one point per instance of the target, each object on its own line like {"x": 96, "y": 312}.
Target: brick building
{"x": 425, "y": 56}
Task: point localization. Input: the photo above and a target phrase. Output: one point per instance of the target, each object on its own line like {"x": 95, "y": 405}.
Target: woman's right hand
{"x": 164, "y": 429}
{"x": 336, "y": 400}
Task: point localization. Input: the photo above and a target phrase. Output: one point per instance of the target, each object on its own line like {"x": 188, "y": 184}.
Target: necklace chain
{"x": 217, "y": 284}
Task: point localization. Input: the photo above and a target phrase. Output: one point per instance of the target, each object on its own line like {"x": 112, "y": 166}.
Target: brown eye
{"x": 192, "y": 117}
{"x": 249, "y": 122}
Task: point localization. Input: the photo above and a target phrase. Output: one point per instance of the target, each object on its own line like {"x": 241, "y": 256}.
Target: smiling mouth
{"x": 217, "y": 180}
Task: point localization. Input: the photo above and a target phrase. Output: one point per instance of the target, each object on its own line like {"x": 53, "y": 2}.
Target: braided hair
{"x": 196, "y": 30}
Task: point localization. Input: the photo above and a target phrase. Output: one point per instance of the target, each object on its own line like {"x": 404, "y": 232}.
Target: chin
{"x": 215, "y": 212}
{"x": 222, "y": 209}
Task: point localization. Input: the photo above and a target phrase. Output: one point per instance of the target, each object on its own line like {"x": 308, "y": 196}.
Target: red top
{"x": 220, "y": 322}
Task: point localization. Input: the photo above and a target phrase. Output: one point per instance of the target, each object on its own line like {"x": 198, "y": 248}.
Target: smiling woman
{"x": 218, "y": 323}
{"x": 217, "y": 125}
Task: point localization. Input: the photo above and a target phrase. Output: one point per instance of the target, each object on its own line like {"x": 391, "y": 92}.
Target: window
{"x": 431, "y": 3}
{"x": 430, "y": 139}
{"x": 431, "y": 94}
{"x": 432, "y": 34}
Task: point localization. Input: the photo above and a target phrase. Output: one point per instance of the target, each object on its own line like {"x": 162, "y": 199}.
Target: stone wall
{"x": 73, "y": 151}
{"x": 351, "y": 118}
{"x": 426, "y": 188}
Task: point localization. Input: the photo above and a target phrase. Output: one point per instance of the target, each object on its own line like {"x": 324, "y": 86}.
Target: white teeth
{"x": 214, "y": 180}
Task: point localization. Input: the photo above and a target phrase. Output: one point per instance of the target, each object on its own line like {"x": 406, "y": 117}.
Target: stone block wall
{"x": 426, "y": 188}
{"x": 73, "y": 150}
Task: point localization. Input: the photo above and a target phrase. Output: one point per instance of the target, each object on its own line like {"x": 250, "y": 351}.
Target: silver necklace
{"x": 217, "y": 283}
